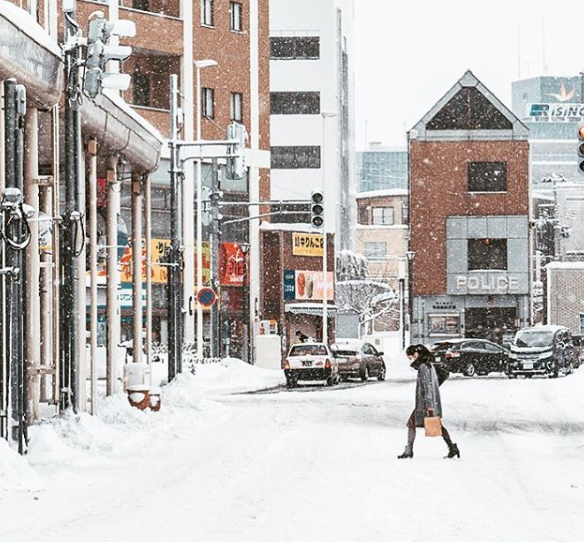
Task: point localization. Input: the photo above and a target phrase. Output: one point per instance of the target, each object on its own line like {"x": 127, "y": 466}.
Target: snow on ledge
{"x": 25, "y": 22}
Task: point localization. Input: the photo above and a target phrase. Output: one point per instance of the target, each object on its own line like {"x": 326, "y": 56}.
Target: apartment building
{"x": 311, "y": 84}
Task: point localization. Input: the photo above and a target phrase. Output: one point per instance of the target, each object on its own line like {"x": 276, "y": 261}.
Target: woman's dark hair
{"x": 419, "y": 349}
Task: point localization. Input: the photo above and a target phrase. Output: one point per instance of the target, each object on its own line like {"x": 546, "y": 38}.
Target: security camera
{"x": 28, "y": 210}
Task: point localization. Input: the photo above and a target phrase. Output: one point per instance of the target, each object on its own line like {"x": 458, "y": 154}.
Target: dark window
{"x": 295, "y": 103}
{"x": 208, "y": 103}
{"x": 141, "y": 90}
{"x": 469, "y": 109}
{"x": 207, "y": 12}
{"x": 487, "y": 176}
{"x": 295, "y": 48}
{"x": 236, "y": 104}
{"x": 487, "y": 254}
{"x": 295, "y": 157}
{"x": 140, "y": 4}
{"x": 235, "y": 17}
{"x": 376, "y": 251}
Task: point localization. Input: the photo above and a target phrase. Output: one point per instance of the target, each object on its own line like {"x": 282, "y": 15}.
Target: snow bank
{"x": 15, "y": 472}
{"x": 233, "y": 375}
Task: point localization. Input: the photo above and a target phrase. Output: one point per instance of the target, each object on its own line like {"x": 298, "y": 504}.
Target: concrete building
{"x": 311, "y": 77}
{"x": 469, "y": 197}
{"x": 565, "y": 295}
{"x": 382, "y": 168}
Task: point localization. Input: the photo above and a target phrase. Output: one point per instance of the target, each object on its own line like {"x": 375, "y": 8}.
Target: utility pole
{"x": 71, "y": 227}
{"x": 175, "y": 327}
{"x": 215, "y": 240}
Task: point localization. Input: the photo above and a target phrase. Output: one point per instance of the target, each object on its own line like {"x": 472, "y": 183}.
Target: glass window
{"x": 487, "y": 176}
{"x": 236, "y": 106}
{"x": 235, "y": 16}
{"x": 207, "y": 12}
{"x": 487, "y": 254}
{"x": 208, "y": 103}
{"x": 141, "y": 90}
{"x": 295, "y": 157}
{"x": 308, "y": 350}
{"x": 382, "y": 216}
{"x": 375, "y": 251}
{"x": 295, "y": 103}
{"x": 295, "y": 48}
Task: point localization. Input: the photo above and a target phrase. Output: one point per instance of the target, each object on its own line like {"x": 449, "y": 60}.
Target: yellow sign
{"x": 307, "y": 244}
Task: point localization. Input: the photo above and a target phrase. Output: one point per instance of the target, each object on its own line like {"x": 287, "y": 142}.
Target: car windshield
{"x": 308, "y": 350}
{"x": 534, "y": 339}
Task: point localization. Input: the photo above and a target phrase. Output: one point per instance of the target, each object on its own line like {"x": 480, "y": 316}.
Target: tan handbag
{"x": 433, "y": 426}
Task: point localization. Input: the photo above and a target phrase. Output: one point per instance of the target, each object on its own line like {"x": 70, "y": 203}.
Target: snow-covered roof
{"x": 565, "y": 265}
{"x": 23, "y": 20}
{"x": 382, "y": 193}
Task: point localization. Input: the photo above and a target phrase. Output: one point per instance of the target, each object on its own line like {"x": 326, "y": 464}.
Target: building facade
{"x": 469, "y": 195}
{"x": 311, "y": 84}
{"x": 382, "y": 168}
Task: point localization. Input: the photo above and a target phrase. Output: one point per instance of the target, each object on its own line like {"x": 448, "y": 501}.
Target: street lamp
{"x": 199, "y": 65}
{"x": 244, "y": 247}
{"x": 325, "y": 115}
{"x": 410, "y": 255}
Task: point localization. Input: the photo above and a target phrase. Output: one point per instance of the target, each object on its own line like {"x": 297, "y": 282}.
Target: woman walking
{"x": 427, "y": 399}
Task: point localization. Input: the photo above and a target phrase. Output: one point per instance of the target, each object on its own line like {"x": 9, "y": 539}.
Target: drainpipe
{"x": 91, "y": 159}
{"x": 137, "y": 307}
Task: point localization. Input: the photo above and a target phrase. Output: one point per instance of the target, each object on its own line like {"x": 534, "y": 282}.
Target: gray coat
{"x": 427, "y": 393}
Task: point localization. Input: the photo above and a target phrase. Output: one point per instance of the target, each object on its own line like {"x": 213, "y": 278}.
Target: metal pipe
{"x": 137, "y": 199}
{"x": 148, "y": 256}
{"x": 199, "y": 175}
{"x": 92, "y": 182}
{"x": 113, "y": 276}
{"x": 32, "y": 299}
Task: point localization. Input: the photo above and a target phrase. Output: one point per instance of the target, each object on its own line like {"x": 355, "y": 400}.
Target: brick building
{"x": 469, "y": 195}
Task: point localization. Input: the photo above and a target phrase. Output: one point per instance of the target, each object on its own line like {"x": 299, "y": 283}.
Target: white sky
{"x": 408, "y": 54}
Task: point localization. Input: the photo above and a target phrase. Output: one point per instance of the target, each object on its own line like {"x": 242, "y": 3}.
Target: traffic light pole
{"x": 72, "y": 229}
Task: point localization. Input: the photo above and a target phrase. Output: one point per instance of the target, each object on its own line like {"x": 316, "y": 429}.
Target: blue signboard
{"x": 289, "y": 284}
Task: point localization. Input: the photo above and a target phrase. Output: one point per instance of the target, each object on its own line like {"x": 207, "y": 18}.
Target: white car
{"x": 310, "y": 361}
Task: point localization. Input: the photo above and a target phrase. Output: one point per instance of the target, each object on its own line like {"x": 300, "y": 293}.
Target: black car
{"x": 471, "y": 356}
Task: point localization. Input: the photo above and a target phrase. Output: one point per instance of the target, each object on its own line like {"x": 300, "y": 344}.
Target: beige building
{"x": 382, "y": 232}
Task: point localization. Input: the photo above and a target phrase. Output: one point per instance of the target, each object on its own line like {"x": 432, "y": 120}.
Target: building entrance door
{"x": 489, "y": 322}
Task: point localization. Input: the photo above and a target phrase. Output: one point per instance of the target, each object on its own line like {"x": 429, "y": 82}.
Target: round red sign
{"x": 207, "y": 297}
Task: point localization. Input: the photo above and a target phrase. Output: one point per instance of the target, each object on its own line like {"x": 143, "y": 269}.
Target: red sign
{"x": 231, "y": 264}
{"x": 207, "y": 297}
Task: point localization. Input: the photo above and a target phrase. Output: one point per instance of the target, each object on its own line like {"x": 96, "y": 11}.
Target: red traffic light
{"x": 581, "y": 132}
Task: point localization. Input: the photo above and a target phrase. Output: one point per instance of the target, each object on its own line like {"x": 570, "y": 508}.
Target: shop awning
{"x": 312, "y": 309}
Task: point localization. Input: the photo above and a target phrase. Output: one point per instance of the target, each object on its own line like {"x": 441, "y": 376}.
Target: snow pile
{"x": 15, "y": 472}
{"x": 235, "y": 376}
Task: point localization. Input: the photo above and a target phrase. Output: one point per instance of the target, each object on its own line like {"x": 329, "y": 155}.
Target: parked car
{"x": 471, "y": 356}
{"x": 310, "y": 361}
{"x": 545, "y": 350}
{"x": 578, "y": 341}
{"x": 358, "y": 359}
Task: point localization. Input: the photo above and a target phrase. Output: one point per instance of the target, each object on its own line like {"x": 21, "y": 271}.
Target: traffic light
{"x": 317, "y": 208}
{"x": 581, "y": 148}
{"x": 99, "y": 53}
{"x": 236, "y": 160}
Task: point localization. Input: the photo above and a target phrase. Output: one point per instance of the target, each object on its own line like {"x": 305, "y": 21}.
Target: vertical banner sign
{"x": 289, "y": 284}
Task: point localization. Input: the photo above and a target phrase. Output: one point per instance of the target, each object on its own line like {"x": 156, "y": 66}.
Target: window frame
{"x": 206, "y": 104}
{"x": 207, "y": 13}
{"x": 296, "y": 157}
{"x": 375, "y": 258}
{"x": 236, "y": 16}
{"x": 295, "y": 103}
{"x": 138, "y": 88}
{"x": 383, "y": 210}
{"x": 295, "y": 46}
{"x": 234, "y": 97}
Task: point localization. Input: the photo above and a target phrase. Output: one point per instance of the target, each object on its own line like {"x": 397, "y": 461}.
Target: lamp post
{"x": 244, "y": 247}
{"x": 402, "y": 293}
{"x": 410, "y": 255}
{"x": 325, "y": 115}
{"x": 199, "y": 65}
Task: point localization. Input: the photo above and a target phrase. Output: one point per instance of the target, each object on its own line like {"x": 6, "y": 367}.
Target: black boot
{"x": 408, "y": 453}
{"x": 453, "y": 451}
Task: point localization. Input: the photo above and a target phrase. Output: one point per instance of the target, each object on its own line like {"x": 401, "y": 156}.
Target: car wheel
{"x": 381, "y": 375}
{"x": 469, "y": 370}
{"x": 528, "y": 376}
{"x": 343, "y": 378}
{"x": 554, "y": 373}
{"x": 291, "y": 383}
{"x": 511, "y": 375}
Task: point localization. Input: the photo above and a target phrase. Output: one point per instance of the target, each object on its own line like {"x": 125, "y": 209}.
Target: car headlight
{"x": 512, "y": 355}
{"x": 545, "y": 355}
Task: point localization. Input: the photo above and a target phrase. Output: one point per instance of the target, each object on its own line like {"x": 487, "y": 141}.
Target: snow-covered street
{"x": 221, "y": 464}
